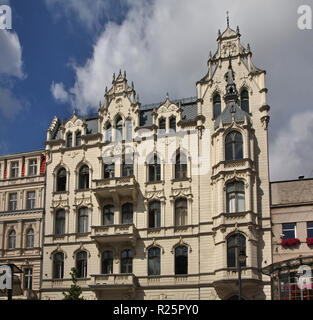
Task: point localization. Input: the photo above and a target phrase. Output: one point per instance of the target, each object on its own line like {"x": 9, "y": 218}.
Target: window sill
{"x": 155, "y": 182}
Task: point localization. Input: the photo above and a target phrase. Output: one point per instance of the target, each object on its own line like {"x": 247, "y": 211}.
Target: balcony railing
{"x": 117, "y": 281}
{"x": 115, "y": 233}
{"x": 116, "y": 188}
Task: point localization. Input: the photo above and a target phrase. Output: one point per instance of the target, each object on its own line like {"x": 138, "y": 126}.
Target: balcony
{"x": 115, "y": 283}
{"x": 226, "y": 281}
{"x": 117, "y": 233}
{"x": 116, "y": 188}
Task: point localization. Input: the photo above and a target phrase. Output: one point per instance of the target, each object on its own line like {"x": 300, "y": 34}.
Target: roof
{"x": 189, "y": 106}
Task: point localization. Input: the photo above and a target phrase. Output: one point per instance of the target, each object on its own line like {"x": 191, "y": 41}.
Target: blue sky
{"x": 61, "y": 55}
{"x": 48, "y": 45}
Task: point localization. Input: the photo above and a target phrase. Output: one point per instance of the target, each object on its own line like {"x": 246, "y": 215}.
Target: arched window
{"x": 78, "y": 139}
{"x": 30, "y": 238}
{"x": 154, "y": 265}
{"x": 127, "y": 261}
{"x": 173, "y": 124}
{"x": 235, "y": 197}
{"x": 181, "y": 212}
{"x": 108, "y": 133}
{"x": 69, "y": 140}
{"x": 81, "y": 264}
{"x": 108, "y": 170}
{"x": 58, "y": 265}
{"x": 60, "y": 222}
{"x": 12, "y": 239}
{"x": 180, "y": 166}
{"x": 61, "y": 180}
{"x": 129, "y": 130}
{"x": 216, "y": 106}
{"x": 119, "y": 129}
{"x": 155, "y": 169}
{"x": 181, "y": 260}
{"x": 107, "y": 262}
{"x": 162, "y": 125}
{"x": 244, "y": 99}
{"x": 127, "y": 213}
{"x": 236, "y": 244}
{"x": 108, "y": 215}
{"x": 84, "y": 177}
{"x": 233, "y": 146}
{"x": 154, "y": 214}
{"x": 83, "y": 220}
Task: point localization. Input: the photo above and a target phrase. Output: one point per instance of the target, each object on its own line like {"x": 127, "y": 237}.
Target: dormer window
{"x": 78, "y": 139}
{"x": 173, "y": 124}
{"x": 69, "y": 140}
{"x": 162, "y": 125}
{"x": 14, "y": 169}
{"x": 32, "y": 168}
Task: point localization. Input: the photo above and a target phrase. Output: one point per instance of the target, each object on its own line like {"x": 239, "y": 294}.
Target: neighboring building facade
{"x": 151, "y": 202}
{"x": 292, "y": 225}
{"x": 22, "y": 186}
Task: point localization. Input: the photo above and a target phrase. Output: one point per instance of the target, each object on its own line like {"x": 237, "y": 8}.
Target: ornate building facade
{"x": 158, "y": 201}
{"x": 22, "y": 191}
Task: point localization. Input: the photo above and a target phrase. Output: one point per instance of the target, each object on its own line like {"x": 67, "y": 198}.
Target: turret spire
{"x": 227, "y": 19}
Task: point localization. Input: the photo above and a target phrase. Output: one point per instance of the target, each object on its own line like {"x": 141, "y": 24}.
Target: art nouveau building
{"x": 22, "y": 183}
{"x": 153, "y": 201}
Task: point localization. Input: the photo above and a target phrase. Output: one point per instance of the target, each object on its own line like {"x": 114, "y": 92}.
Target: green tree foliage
{"x": 75, "y": 291}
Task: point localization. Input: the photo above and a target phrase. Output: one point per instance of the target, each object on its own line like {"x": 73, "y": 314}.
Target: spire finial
{"x": 227, "y": 18}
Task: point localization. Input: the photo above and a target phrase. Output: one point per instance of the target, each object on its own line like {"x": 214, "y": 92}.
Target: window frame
{"x": 30, "y": 238}
{"x": 127, "y": 261}
{"x": 81, "y": 263}
{"x": 83, "y": 177}
{"x": 32, "y": 168}
{"x": 178, "y": 213}
{"x": 12, "y": 239}
{"x": 155, "y": 259}
{"x": 12, "y": 203}
{"x": 234, "y": 147}
{"x": 14, "y": 167}
{"x": 154, "y": 212}
{"x": 182, "y": 255}
{"x": 289, "y": 230}
{"x": 109, "y": 260}
{"x": 234, "y": 195}
{"x": 30, "y": 202}
{"x": 83, "y": 215}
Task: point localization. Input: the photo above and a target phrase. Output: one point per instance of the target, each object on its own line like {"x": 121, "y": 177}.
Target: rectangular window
{"x": 32, "y": 168}
{"x": 14, "y": 169}
{"x": 31, "y": 199}
{"x": 28, "y": 278}
{"x": 289, "y": 230}
{"x": 12, "y": 201}
{"x": 310, "y": 229}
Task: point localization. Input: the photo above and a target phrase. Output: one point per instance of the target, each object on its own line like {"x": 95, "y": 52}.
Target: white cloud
{"x": 292, "y": 152}
{"x": 58, "y": 92}
{"x": 9, "y": 105}
{"x": 11, "y": 55}
{"x": 88, "y": 12}
{"x": 164, "y": 46}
